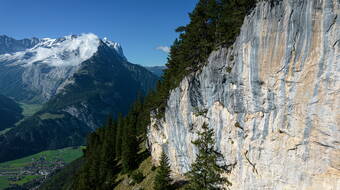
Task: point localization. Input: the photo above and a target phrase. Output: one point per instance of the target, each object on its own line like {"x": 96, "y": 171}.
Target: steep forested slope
{"x": 10, "y": 112}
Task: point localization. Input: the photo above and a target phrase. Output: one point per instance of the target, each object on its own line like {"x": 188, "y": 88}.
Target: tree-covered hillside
{"x": 10, "y": 112}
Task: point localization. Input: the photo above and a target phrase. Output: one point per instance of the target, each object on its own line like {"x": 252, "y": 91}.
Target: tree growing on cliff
{"x": 205, "y": 172}
{"x": 162, "y": 179}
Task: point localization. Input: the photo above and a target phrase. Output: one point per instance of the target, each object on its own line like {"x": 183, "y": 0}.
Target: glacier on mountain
{"x": 66, "y": 51}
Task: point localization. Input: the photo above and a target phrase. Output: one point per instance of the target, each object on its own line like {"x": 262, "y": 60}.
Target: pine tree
{"x": 162, "y": 179}
{"x": 205, "y": 174}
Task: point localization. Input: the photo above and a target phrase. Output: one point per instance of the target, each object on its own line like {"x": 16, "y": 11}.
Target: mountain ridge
{"x": 11, "y": 45}
{"x": 157, "y": 70}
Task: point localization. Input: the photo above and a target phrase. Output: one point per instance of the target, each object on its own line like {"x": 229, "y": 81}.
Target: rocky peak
{"x": 115, "y": 46}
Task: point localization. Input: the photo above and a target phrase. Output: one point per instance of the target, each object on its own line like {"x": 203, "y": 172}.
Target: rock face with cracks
{"x": 272, "y": 98}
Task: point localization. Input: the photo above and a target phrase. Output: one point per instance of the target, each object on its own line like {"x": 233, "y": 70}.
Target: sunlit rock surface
{"x": 272, "y": 98}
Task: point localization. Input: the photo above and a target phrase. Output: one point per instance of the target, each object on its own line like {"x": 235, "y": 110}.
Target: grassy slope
{"x": 67, "y": 155}
{"x": 28, "y": 110}
{"x": 3, "y": 182}
{"x": 149, "y": 173}
{"x": 26, "y": 179}
{"x": 146, "y": 168}
{"x": 149, "y": 176}
{"x": 5, "y": 131}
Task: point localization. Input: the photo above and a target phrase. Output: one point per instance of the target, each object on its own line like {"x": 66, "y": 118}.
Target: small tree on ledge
{"x": 205, "y": 174}
{"x": 162, "y": 179}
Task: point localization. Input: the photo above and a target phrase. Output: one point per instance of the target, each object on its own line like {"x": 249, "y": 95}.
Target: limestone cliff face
{"x": 272, "y": 98}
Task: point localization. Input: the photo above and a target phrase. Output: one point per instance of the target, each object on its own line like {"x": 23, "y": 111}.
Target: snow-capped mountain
{"x": 39, "y": 72}
{"x": 79, "y": 79}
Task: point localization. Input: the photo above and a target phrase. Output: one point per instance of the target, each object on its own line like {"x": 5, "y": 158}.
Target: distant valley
{"x": 157, "y": 70}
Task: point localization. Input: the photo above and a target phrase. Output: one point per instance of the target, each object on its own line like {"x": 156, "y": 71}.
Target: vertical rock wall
{"x": 273, "y": 99}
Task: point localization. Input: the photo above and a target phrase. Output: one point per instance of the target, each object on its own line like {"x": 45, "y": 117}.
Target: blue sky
{"x": 141, "y": 26}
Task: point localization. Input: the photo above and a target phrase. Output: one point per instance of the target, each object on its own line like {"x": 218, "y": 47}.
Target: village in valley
{"x": 34, "y": 169}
